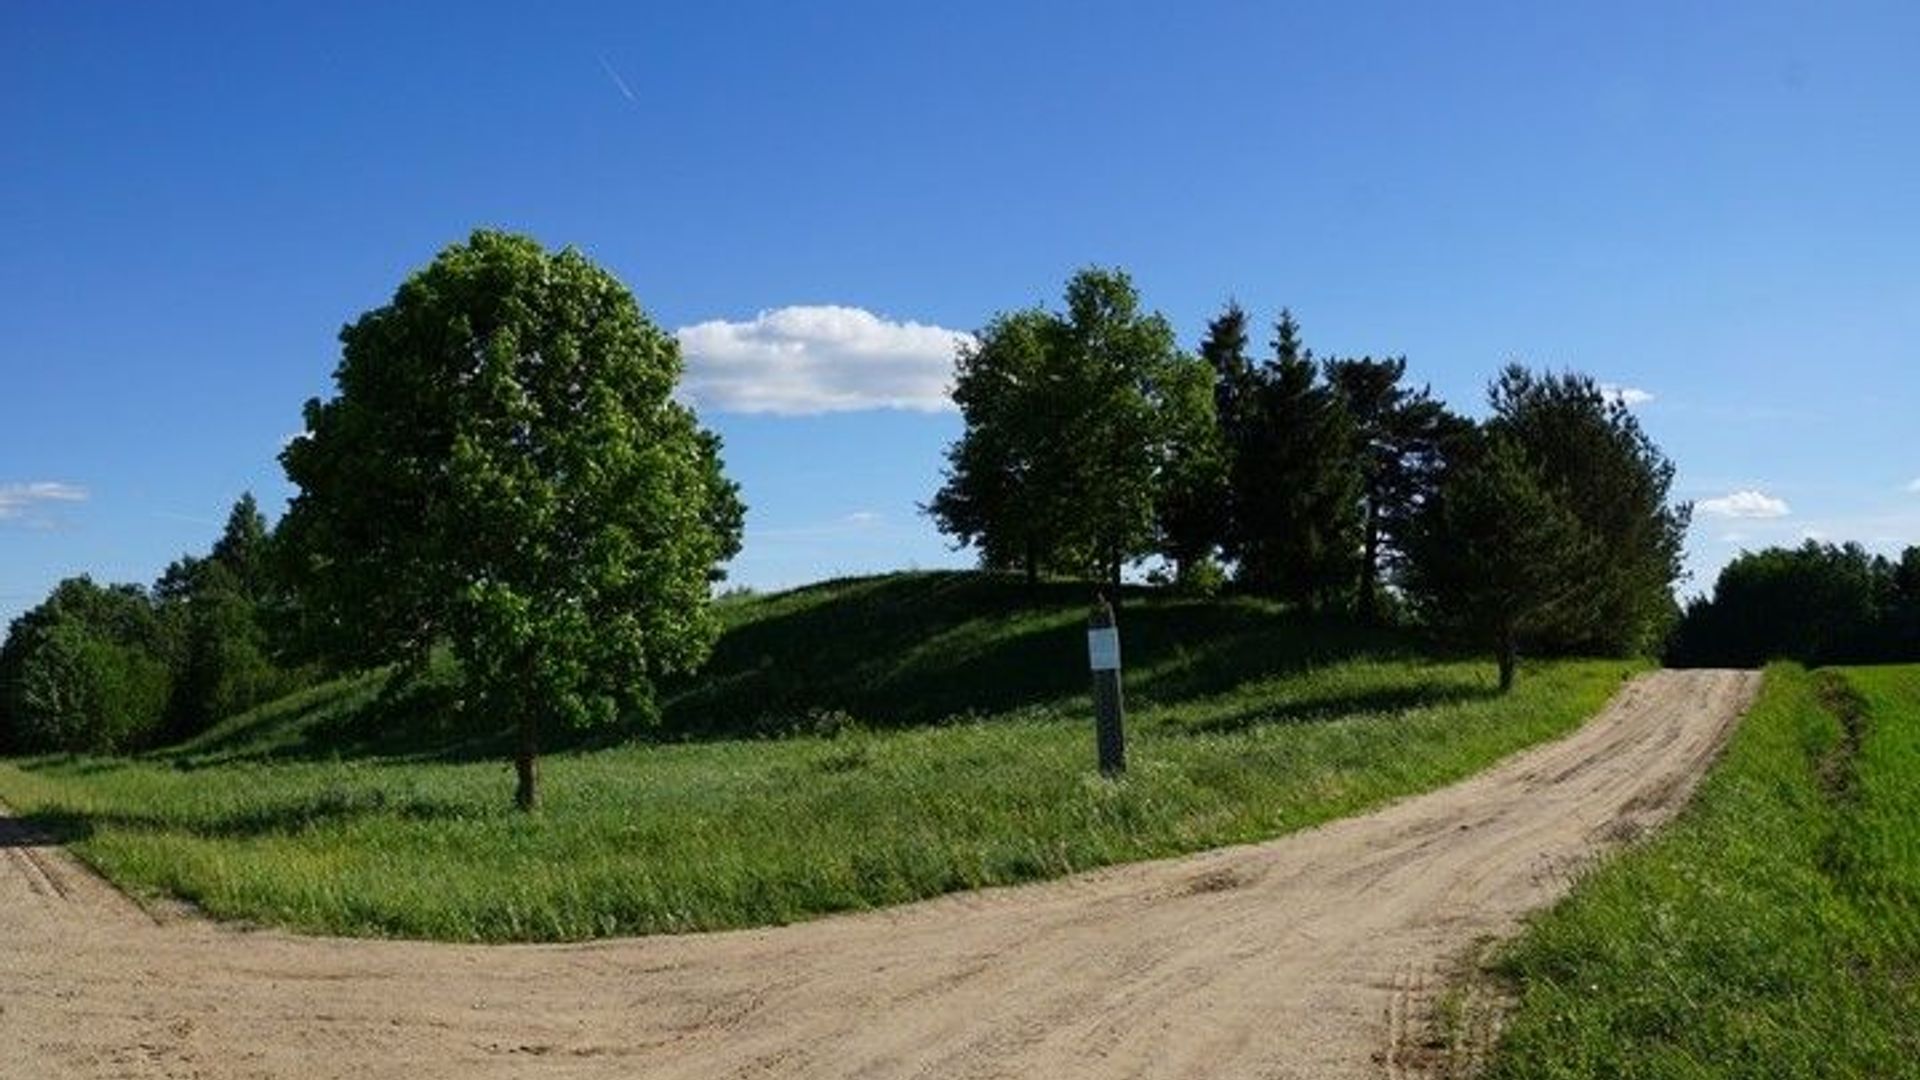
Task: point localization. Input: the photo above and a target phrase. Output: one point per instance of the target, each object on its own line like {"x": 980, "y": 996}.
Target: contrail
{"x": 618, "y": 82}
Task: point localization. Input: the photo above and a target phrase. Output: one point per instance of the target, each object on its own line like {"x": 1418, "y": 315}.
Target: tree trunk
{"x": 1509, "y": 658}
{"x": 1369, "y": 599}
{"x": 527, "y": 795}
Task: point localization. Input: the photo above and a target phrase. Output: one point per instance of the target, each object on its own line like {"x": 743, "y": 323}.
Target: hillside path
{"x": 1307, "y": 956}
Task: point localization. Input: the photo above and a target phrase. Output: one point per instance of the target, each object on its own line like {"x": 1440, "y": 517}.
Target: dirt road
{"x": 1309, "y": 956}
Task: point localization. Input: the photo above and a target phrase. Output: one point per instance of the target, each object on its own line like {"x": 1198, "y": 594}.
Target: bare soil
{"x": 1315, "y": 955}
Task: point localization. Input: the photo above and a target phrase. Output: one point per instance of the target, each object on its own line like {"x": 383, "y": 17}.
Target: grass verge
{"x": 1773, "y": 931}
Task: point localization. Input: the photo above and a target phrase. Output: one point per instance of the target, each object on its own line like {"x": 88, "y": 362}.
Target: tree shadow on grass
{"x": 234, "y": 741}
{"x": 43, "y": 829}
{"x": 70, "y": 764}
{"x": 888, "y": 652}
{"x": 892, "y": 651}
{"x": 912, "y": 650}
{"x": 64, "y": 825}
{"x": 1317, "y": 708}
{"x": 395, "y": 715}
{"x": 1200, "y": 651}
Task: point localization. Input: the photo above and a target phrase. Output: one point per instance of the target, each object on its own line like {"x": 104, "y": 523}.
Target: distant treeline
{"x": 107, "y": 668}
{"x": 1093, "y": 443}
{"x": 1817, "y": 603}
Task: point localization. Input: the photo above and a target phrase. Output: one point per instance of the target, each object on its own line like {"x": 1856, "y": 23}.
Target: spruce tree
{"x": 1296, "y": 481}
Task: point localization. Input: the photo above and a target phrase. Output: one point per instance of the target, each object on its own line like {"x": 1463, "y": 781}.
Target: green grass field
{"x": 1774, "y": 931}
{"x": 952, "y": 750}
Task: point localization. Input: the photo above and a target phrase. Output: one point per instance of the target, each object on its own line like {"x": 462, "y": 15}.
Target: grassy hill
{"x": 886, "y": 652}
{"x": 854, "y": 743}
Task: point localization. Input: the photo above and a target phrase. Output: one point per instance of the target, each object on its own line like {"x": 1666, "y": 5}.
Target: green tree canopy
{"x": 1001, "y": 490}
{"x": 1589, "y": 447}
{"x": 1295, "y": 476}
{"x": 504, "y": 468}
{"x": 1401, "y": 437}
{"x": 1066, "y": 434}
{"x": 1191, "y": 492}
{"x": 242, "y": 547}
{"x": 1552, "y": 529}
{"x": 1817, "y": 603}
{"x": 1498, "y": 554}
{"x": 84, "y": 671}
{"x": 216, "y": 610}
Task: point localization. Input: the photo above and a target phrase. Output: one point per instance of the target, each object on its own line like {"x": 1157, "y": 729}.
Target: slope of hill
{"x": 933, "y": 736}
{"x": 887, "y": 652}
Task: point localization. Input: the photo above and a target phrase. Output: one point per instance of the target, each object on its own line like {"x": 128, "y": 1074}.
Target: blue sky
{"x": 1716, "y": 204}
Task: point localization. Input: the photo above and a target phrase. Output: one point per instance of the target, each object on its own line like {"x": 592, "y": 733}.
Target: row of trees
{"x": 503, "y": 470}
{"x": 1093, "y": 442}
{"x": 1818, "y": 604}
{"x": 1551, "y": 525}
{"x": 119, "y": 667}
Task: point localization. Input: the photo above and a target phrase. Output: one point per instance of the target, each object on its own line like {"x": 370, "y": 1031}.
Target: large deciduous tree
{"x": 1066, "y": 433}
{"x": 1000, "y": 482}
{"x": 504, "y": 468}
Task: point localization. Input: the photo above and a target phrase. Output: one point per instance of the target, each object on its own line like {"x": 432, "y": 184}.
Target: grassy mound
{"x": 886, "y": 652}
{"x": 933, "y": 736}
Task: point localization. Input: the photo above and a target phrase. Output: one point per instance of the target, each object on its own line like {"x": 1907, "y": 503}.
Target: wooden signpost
{"x": 1109, "y": 711}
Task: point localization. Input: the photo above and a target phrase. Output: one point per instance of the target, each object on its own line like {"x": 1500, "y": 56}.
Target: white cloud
{"x": 1625, "y": 395}
{"x": 1744, "y": 504}
{"x": 864, "y": 517}
{"x": 797, "y": 361}
{"x": 17, "y": 499}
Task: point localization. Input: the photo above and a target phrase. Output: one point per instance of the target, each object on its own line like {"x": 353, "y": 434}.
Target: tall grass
{"x": 1773, "y": 932}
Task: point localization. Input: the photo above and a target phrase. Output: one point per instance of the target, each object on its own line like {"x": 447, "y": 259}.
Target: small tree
{"x": 504, "y": 468}
{"x": 1498, "y": 554}
{"x": 1198, "y": 506}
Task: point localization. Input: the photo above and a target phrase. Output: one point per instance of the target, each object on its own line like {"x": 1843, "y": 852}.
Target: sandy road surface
{"x": 1307, "y": 956}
